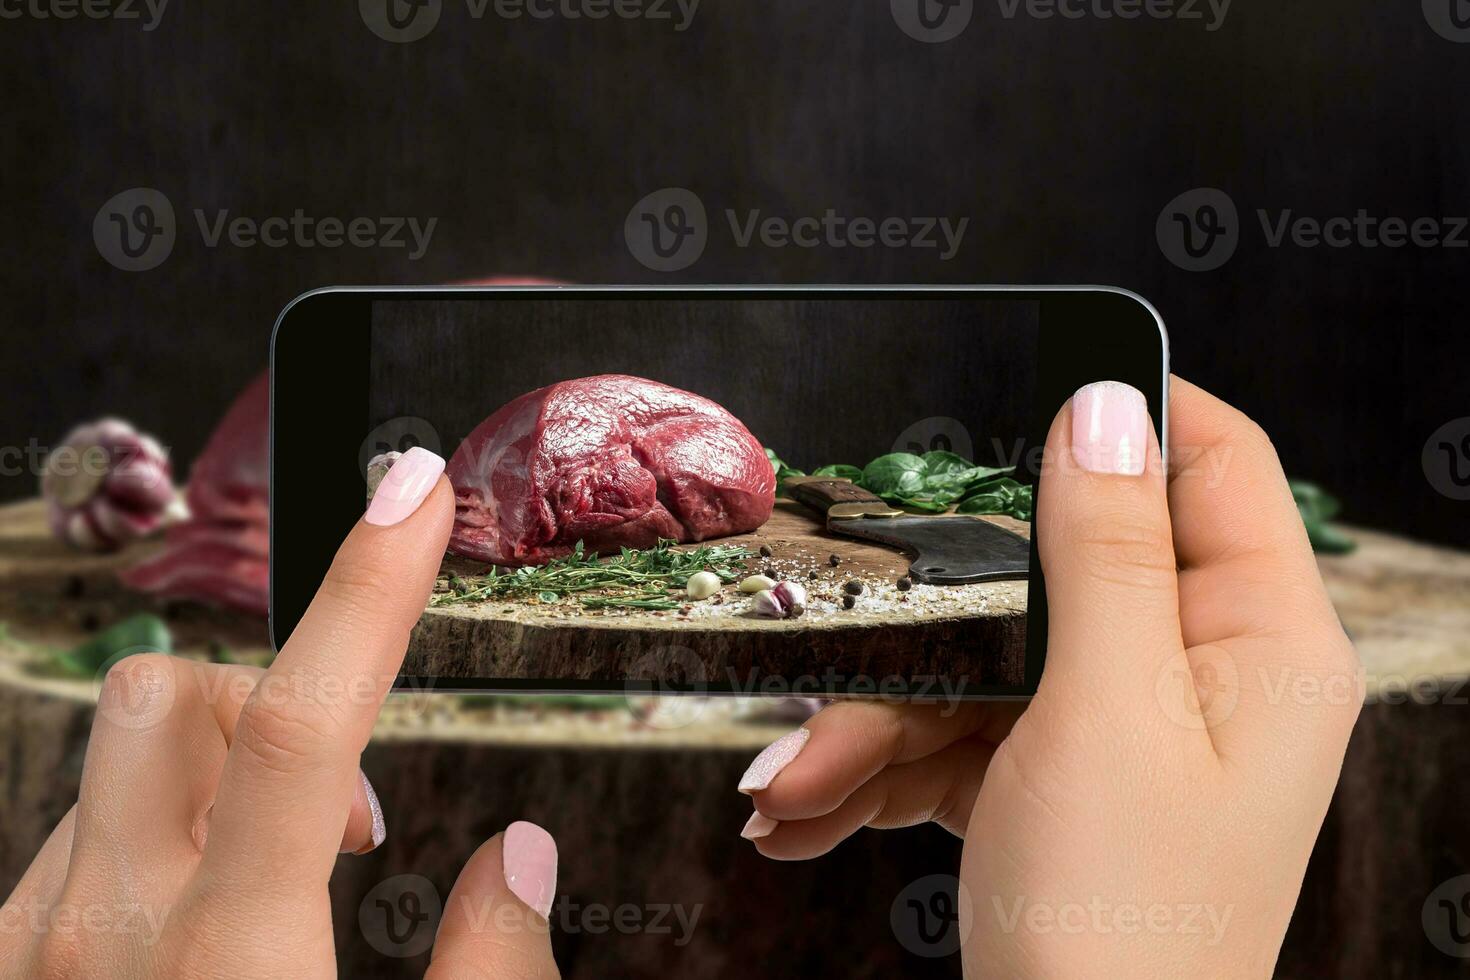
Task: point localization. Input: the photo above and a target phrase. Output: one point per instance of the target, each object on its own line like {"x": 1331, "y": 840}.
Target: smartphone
{"x": 785, "y": 491}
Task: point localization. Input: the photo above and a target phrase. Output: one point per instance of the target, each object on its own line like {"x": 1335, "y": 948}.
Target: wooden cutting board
{"x": 54, "y": 596}
{"x": 976, "y": 631}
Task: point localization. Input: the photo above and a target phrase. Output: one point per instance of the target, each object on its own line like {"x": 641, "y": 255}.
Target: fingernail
{"x": 528, "y": 857}
{"x": 380, "y": 826}
{"x": 772, "y": 760}
{"x": 759, "y": 825}
{"x": 1110, "y": 428}
{"x": 200, "y": 830}
{"x": 404, "y": 487}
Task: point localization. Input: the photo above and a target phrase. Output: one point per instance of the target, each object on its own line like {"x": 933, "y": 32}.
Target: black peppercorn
{"x": 905, "y": 583}
{"x": 766, "y": 551}
{"x": 848, "y": 601}
{"x": 853, "y": 587}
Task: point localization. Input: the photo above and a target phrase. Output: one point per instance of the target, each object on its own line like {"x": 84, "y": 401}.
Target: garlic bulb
{"x": 107, "y": 484}
{"x": 786, "y": 601}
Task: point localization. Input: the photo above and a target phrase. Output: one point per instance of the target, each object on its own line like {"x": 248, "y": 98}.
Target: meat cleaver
{"x": 942, "y": 550}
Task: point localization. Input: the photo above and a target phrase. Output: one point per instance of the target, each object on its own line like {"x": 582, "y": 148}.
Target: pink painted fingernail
{"x": 380, "y": 826}
{"x": 404, "y": 487}
{"x": 772, "y": 760}
{"x": 528, "y": 857}
{"x": 759, "y": 825}
{"x": 1110, "y": 428}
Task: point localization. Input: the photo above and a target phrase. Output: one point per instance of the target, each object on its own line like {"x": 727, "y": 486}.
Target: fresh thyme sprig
{"x": 641, "y": 578}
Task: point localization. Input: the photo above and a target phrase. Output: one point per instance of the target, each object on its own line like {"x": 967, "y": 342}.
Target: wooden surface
{"x": 970, "y": 631}
{"x": 1393, "y": 833}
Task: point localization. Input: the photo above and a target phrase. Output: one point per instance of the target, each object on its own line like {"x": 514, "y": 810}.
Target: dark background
{"x": 817, "y": 381}
{"x": 1060, "y": 140}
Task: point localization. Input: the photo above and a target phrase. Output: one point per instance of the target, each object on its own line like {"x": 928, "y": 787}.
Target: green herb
{"x": 897, "y": 473}
{"x": 632, "y": 579}
{"x": 840, "y": 471}
{"x": 1002, "y": 496}
{"x": 933, "y": 483}
{"x": 144, "y": 633}
{"x": 782, "y": 471}
{"x": 1317, "y": 508}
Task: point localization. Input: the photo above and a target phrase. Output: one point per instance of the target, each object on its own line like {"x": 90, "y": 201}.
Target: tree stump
{"x": 648, "y": 817}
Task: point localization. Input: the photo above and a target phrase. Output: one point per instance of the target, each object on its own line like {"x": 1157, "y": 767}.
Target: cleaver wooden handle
{"x": 832, "y": 497}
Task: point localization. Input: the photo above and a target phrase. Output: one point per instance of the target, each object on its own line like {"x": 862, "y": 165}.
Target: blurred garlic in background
{"x": 108, "y": 484}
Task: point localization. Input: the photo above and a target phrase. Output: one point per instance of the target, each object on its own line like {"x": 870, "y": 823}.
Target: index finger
{"x": 291, "y": 772}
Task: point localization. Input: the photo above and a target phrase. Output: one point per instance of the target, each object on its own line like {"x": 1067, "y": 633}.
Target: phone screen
{"x": 763, "y": 492}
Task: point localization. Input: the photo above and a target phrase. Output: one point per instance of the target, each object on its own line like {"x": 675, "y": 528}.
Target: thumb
{"x": 1107, "y": 552}
{"x": 494, "y": 926}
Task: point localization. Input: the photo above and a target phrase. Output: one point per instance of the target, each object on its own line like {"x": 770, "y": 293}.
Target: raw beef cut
{"x": 610, "y": 461}
{"x": 220, "y": 554}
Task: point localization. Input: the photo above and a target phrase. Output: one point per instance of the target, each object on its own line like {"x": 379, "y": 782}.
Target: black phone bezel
{"x": 319, "y": 371}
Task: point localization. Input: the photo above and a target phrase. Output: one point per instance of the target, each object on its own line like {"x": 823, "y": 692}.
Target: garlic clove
{"x": 792, "y": 598}
{"x": 764, "y": 603}
{"x": 702, "y": 585}
{"x": 757, "y": 583}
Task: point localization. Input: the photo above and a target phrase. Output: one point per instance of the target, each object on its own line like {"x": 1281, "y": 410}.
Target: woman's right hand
{"x": 1151, "y": 812}
{"x": 215, "y": 799}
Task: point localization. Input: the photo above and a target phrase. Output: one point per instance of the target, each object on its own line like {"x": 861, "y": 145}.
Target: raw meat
{"x": 220, "y": 553}
{"x": 611, "y": 461}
